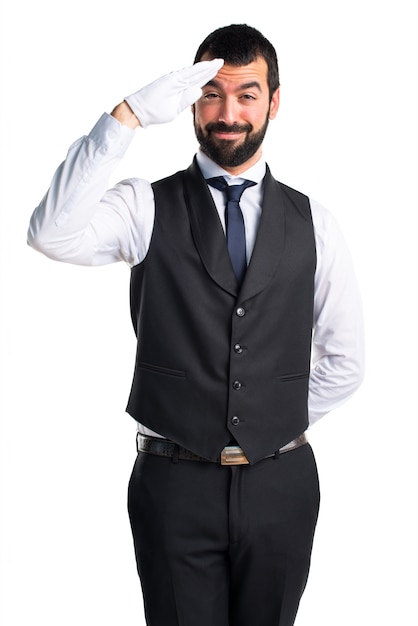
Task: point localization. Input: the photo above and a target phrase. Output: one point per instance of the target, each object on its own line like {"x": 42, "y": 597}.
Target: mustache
{"x": 221, "y": 127}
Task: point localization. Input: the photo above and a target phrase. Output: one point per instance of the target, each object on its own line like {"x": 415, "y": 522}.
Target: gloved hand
{"x": 162, "y": 100}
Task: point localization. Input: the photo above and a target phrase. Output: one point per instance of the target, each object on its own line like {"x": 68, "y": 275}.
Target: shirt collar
{"x": 210, "y": 169}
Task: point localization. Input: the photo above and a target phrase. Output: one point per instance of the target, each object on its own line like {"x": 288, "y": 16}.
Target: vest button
{"x": 235, "y": 420}
{"x": 237, "y": 348}
{"x": 236, "y": 385}
{"x": 240, "y": 311}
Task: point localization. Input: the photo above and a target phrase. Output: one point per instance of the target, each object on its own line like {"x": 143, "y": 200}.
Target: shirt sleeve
{"x": 80, "y": 220}
{"x": 338, "y": 338}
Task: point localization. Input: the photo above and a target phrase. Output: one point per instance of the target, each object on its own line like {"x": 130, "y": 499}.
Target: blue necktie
{"x": 235, "y": 229}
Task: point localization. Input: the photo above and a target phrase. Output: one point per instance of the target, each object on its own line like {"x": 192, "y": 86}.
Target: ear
{"x": 274, "y": 104}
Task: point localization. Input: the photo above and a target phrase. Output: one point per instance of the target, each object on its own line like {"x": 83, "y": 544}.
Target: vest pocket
{"x": 158, "y": 369}
{"x": 289, "y": 377}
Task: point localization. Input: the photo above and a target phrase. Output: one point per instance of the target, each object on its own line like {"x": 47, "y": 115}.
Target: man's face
{"x": 232, "y": 115}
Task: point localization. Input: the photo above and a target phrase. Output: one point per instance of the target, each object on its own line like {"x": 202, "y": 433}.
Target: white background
{"x": 346, "y": 135}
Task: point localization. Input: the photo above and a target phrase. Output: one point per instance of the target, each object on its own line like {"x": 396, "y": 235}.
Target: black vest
{"x": 214, "y": 362}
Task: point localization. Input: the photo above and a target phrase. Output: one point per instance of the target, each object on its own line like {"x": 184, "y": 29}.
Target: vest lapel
{"x": 207, "y": 230}
{"x": 269, "y": 242}
{"x": 210, "y": 238}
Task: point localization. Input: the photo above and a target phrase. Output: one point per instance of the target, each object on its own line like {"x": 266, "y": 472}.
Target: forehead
{"x": 236, "y": 75}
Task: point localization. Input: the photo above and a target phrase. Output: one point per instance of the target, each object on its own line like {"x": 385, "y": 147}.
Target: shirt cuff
{"x": 110, "y": 134}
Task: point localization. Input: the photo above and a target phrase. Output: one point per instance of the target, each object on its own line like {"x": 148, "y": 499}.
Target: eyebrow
{"x": 250, "y": 85}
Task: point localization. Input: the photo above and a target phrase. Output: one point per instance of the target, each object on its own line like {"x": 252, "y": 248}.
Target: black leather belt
{"x": 230, "y": 455}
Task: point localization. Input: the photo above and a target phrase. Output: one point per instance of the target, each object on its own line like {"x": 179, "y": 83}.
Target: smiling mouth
{"x": 228, "y": 135}
{"x": 223, "y": 131}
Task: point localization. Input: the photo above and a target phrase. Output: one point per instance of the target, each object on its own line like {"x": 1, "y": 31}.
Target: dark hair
{"x": 240, "y": 44}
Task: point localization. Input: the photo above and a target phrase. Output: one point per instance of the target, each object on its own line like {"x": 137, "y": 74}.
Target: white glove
{"x": 162, "y": 100}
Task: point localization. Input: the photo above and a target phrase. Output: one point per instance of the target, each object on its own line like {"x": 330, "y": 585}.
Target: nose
{"x": 228, "y": 112}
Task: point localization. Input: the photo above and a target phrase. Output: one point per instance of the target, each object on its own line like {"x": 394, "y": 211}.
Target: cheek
{"x": 197, "y": 114}
{"x": 255, "y": 119}
{"x": 258, "y": 117}
{"x": 201, "y": 120}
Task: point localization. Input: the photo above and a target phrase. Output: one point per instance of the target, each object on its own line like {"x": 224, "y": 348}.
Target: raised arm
{"x": 80, "y": 220}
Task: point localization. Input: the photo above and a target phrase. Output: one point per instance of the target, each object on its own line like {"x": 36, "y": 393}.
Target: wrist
{"x": 124, "y": 114}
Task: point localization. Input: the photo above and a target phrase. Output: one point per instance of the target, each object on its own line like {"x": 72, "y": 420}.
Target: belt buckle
{"x": 233, "y": 455}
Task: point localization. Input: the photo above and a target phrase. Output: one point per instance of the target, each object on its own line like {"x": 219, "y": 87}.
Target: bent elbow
{"x": 39, "y": 241}
{"x": 75, "y": 249}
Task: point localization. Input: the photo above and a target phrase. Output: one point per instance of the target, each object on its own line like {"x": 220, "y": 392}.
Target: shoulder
{"x": 296, "y": 198}
{"x": 325, "y": 225}
{"x": 168, "y": 182}
{"x": 294, "y": 194}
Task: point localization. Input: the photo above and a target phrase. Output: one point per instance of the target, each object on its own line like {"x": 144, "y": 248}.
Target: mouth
{"x": 227, "y": 133}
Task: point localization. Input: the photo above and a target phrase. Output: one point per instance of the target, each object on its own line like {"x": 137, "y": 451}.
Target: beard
{"x": 227, "y": 153}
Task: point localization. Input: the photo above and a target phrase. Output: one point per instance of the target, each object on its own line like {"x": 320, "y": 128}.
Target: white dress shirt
{"x": 81, "y": 221}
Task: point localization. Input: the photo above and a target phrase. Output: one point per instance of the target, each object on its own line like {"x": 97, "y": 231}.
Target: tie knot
{"x": 233, "y": 192}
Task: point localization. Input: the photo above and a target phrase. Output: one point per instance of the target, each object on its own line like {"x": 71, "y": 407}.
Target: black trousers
{"x": 223, "y": 546}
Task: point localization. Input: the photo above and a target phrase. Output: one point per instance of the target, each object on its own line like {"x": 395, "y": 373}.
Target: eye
{"x": 211, "y": 95}
{"x": 248, "y": 96}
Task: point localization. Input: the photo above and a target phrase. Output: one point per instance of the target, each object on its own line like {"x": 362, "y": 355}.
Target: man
{"x": 224, "y": 496}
